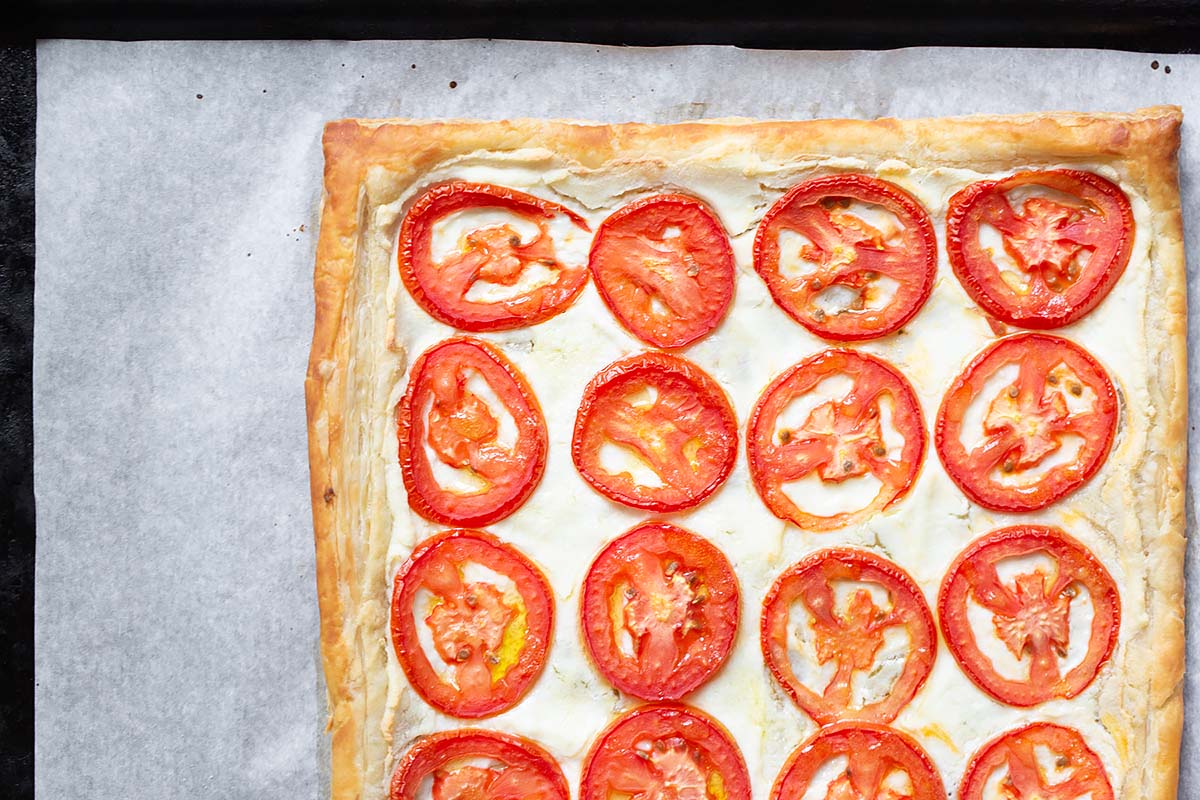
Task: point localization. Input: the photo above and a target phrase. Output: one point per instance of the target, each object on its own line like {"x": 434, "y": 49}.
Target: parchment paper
{"x": 178, "y": 187}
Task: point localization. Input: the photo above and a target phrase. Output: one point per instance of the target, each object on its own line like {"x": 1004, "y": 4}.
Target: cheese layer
{"x": 565, "y": 523}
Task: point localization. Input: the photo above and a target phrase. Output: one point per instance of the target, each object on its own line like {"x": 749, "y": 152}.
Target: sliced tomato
{"x": 659, "y": 612}
{"x": 1057, "y": 393}
{"x": 878, "y": 760}
{"x": 664, "y": 266}
{"x": 850, "y": 638}
{"x": 495, "y": 254}
{"x": 1071, "y": 769}
{"x": 442, "y": 417}
{"x": 1066, "y": 237}
{"x": 866, "y": 279}
{"x": 665, "y": 752}
{"x": 473, "y": 764}
{"x": 668, "y": 414}
{"x": 490, "y": 636}
{"x": 840, "y": 439}
{"x": 1031, "y": 613}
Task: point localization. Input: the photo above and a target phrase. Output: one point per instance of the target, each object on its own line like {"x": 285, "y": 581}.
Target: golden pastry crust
{"x": 371, "y": 162}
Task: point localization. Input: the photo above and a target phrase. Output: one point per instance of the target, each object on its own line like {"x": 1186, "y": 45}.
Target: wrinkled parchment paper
{"x": 178, "y": 188}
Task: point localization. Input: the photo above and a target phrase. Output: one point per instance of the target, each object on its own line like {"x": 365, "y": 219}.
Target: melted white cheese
{"x": 565, "y": 523}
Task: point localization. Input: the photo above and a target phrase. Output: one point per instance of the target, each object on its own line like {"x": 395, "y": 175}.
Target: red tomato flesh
{"x": 850, "y": 637}
{"x": 850, "y": 254}
{"x": 1059, "y": 391}
{"x": 517, "y": 769}
{"x": 665, "y": 752}
{"x": 463, "y": 433}
{"x": 494, "y": 254}
{"x": 686, "y": 434}
{"x": 841, "y": 439}
{"x": 1076, "y": 771}
{"x": 1031, "y": 614}
{"x": 1069, "y": 245}
{"x": 491, "y": 639}
{"x": 675, "y": 596}
{"x": 664, "y": 266}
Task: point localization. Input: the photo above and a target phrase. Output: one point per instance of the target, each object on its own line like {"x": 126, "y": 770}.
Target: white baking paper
{"x": 178, "y": 188}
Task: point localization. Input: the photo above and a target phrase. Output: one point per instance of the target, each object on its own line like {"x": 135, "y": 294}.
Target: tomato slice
{"x": 878, "y": 759}
{"x": 471, "y": 764}
{"x": 1054, "y": 394}
{"x": 867, "y": 278}
{"x": 659, "y": 612}
{"x": 664, "y": 266}
{"x": 444, "y": 417}
{"x": 1066, "y": 237}
{"x": 850, "y": 638}
{"x": 490, "y": 632}
{"x": 665, "y": 752}
{"x": 671, "y": 417}
{"x": 523, "y": 273}
{"x": 1031, "y": 613}
{"x": 1071, "y": 769}
{"x": 841, "y": 439}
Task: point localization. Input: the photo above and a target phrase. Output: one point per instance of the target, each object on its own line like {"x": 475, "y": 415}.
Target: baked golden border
{"x": 348, "y": 526}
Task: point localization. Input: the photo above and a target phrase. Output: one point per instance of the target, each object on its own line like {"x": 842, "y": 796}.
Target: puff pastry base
{"x": 370, "y": 162}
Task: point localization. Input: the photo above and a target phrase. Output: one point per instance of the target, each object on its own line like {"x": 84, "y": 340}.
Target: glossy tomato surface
{"x": 665, "y": 751}
{"x": 471, "y": 764}
{"x": 664, "y": 266}
{"x": 506, "y": 272}
{"x": 1060, "y": 239}
{"x": 1031, "y": 613}
{"x": 849, "y": 257}
{"x": 443, "y": 418}
{"x": 490, "y": 636}
{"x": 1019, "y": 407}
{"x": 849, "y": 636}
{"x": 874, "y": 755}
{"x": 669, "y": 416}
{"x": 838, "y": 440}
{"x": 660, "y": 610}
{"x": 1073, "y": 769}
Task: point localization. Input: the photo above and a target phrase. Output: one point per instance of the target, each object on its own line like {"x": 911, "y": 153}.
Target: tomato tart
{"x": 736, "y": 460}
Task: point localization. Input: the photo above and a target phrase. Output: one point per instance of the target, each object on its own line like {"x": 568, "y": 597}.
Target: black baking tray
{"x": 1151, "y": 26}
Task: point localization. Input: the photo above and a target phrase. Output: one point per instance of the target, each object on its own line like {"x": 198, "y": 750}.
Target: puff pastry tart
{"x": 736, "y": 460}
